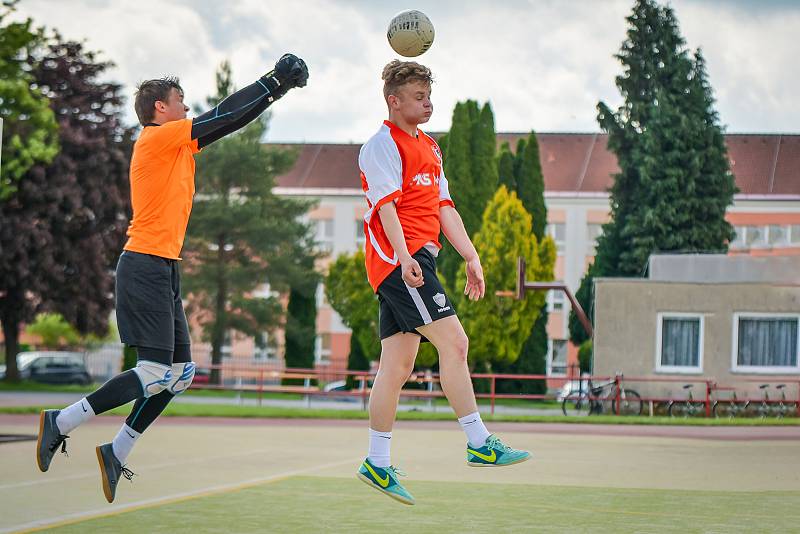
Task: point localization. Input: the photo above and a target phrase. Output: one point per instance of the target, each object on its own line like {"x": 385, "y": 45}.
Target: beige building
{"x": 732, "y": 319}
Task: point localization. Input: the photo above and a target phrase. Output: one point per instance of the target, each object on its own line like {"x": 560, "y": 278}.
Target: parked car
{"x": 53, "y": 367}
{"x": 201, "y": 376}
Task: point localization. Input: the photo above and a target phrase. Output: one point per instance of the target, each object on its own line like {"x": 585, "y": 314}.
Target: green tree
{"x": 505, "y": 168}
{"x": 54, "y": 331}
{"x": 29, "y": 125}
{"x": 301, "y": 321}
{"x": 585, "y": 297}
{"x": 64, "y": 223}
{"x": 471, "y": 171}
{"x": 242, "y": 236}
{"x": 356, "y": 361}
{"x": 674, "y": 184}
{"x": 497, "y": 326}
{"x": 529, "y": 185}
{"x": 349, "y": 293}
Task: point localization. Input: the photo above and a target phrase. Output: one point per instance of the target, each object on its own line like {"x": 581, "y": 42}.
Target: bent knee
{"x": 182, "y": 376}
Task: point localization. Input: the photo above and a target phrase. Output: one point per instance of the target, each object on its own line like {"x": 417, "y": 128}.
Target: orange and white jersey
{"x": 408, "y": 171}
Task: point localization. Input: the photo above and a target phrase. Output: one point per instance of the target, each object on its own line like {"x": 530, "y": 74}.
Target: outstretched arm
{"x": 240, "y": 108}
{"x": 453, "y": 228}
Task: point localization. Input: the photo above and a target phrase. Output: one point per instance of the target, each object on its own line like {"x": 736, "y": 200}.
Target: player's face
{"x": 174, "y": 109}
{"x": 413, "y": 103}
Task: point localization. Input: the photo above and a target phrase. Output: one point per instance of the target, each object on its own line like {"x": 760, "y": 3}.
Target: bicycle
{"x": 591, "y": 401}
{"x": 688, "y": 407}
{"x": 729, "y": 408}
{"x": 766, "y": 407}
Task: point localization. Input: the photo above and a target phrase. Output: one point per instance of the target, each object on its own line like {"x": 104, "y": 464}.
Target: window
{"x": 756, "y": 236}
{"x": 778, "y": 235}
{"x": 558, "y": 231}
{"x": 226, "y": 348}
{"x": 557, "y": 358}
{"x": 593, "y": 232}
{"x": 679, "y": 343}
{"x": 555, "y": 300}
{"x": 325, "y": 235}
{"x": 739, "y": 241}
{"x": 765, "y": 343}
{"x": 794, "y": 234}
{"x": 360, "y": 238}
{"x": 322, "y": 348}
{"x": 265, "y": 348}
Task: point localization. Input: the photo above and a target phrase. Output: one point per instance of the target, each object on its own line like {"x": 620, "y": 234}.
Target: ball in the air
{"x": 410, "y": 33}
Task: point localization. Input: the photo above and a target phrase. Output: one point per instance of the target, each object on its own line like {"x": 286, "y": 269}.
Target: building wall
{"x": 627, "y": 324}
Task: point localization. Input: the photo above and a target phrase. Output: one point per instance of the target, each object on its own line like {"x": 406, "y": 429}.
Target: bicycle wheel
{"x": 722, "y": 410}
{"x": 677, "y": 409}
{"x": 576, "y": 404}
{"x": 630, "y": 403}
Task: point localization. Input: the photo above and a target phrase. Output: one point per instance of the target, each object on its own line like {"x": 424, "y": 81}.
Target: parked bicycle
{"x": 592, "y": 401}
{"x": 688, "y": 407}
{"x": 780, "y": 408}
{"x": 729, "y": 408}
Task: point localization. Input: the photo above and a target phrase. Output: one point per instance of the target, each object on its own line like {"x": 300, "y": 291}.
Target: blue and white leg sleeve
{"x": 182, "y": 375}
{"x": 155, "y": 377}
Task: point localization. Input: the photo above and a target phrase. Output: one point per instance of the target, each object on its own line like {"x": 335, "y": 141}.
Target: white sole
{"x": 394, "y": 496}
{"x": 475, "y": 464}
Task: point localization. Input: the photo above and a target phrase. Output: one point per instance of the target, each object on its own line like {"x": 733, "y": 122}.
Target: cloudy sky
{"x": 543, "y": 64}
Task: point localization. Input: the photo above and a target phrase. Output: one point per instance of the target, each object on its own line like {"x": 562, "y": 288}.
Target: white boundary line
{"x": 167, "y": 499}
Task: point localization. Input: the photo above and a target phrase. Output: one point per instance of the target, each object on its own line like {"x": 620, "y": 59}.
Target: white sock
{"x": 474, "y": 428}
{"x": 379, "y": 445}
{"x": 124, "y": 442}
{"x": 73, "y": 416}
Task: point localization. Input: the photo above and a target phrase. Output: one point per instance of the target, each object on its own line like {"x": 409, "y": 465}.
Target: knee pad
{"x": 155, "y": 377}
{"x": 182, "y": 375}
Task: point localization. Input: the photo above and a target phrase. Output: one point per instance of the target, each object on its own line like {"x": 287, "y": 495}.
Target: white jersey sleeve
{"x": 444, "y": 189}
{"x": 382, "y": 166}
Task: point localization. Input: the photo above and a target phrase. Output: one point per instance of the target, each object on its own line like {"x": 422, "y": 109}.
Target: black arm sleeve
{"x": 235, "y": 111}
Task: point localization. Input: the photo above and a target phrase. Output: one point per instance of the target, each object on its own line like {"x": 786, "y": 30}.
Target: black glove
{"x": 290, "y": 71}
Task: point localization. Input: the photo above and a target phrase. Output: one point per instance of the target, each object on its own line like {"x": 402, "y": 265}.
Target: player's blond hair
{"x": 398, "y": 73}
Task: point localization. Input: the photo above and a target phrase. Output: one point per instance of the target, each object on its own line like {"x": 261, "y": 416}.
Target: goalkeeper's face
{"x": 173, "y": 109}
{"x": 412, "y": 103}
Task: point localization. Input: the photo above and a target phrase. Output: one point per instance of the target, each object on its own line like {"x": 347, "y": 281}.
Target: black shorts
{"x": 149, "y": 306}
{"x": 403, "y": 308}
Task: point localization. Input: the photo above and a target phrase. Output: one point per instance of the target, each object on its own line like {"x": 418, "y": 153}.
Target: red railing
{"x": 263, "y": 380}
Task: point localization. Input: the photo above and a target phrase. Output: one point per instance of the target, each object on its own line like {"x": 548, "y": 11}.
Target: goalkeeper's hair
{"x": 151, "y": 91}
{"x": 398, "y": 73}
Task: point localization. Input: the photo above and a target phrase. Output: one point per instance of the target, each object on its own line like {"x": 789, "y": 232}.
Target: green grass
{"x": 306, "y": 504}
{"x": 224, "y": 410}
{"x": 29, "y": 385}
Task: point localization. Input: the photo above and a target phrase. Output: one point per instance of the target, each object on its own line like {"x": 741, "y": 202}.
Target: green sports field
{"x": 224, "y": 475}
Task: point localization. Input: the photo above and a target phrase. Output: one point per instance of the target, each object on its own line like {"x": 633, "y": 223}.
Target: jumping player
{"x": 409, "y": 202}
{"x": 149, "y": 309}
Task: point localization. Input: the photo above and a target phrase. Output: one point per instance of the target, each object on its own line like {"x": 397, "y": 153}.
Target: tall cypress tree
{"x": 471, "y": 170}
{"x": 529, "y": 182}
{"x": 301, "y": 321}
{"x": 674, "y": 184}
{"x": 505, "y": 168}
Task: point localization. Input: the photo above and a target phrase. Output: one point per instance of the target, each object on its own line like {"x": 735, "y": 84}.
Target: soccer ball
{"x": 410, "y": 33}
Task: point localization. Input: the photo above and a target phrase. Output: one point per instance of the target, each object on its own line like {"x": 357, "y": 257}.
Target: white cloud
{"x": 542, "y": 64}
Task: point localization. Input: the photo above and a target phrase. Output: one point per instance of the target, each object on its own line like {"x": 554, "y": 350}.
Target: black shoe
{"x": 110, "y": 470}
{"x": 50, "y": 438}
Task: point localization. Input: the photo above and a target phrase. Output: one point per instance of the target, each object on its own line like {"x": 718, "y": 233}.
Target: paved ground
{"x": 185, "y": 458}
